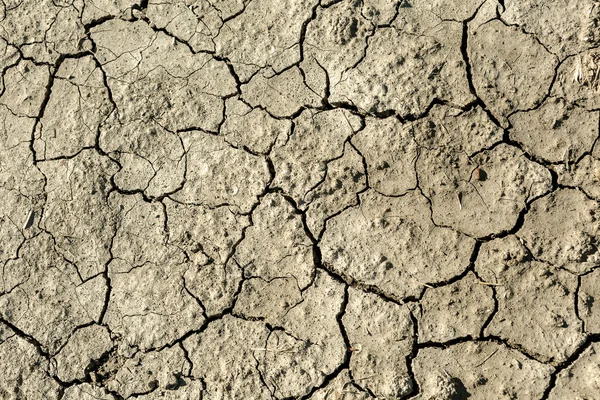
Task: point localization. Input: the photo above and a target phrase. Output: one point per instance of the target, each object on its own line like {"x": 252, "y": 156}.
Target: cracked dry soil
{"x": 300, "y": 199}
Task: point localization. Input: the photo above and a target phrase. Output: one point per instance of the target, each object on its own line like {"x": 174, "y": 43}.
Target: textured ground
{"x": 299, "y": 199}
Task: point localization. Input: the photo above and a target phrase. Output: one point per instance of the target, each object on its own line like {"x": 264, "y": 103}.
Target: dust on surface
{"x": 299, "y": 199}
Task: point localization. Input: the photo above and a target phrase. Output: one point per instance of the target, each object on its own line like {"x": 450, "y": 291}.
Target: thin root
{"x": 489, "y": 283}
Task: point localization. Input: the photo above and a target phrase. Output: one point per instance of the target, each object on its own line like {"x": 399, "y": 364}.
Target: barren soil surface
{"x": 299, "y": 199}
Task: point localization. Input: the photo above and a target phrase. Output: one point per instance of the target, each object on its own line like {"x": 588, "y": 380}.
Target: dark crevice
{"x": 520, "y": 218}
{"x": 458, "y": 277}
{"x": 43, "y": 105}
{"x": 107, "y": 279}
{"x": 465, "y": 54}
{"x": 345, "y": 364}
{"x": 590, "y": 340}
{"x": 576, "y": 304}
{"x": 303, "y": 29}
{"x": 325, "y": 174}
{"x": 97, "y": 22}
{"x": 27, "y": 337}
{"x": 327, "y": 91}
{"x": 489, "y": 338}
{"x": 416, "y": 390}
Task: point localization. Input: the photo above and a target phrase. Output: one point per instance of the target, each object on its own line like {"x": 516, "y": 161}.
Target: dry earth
{"x": 299, "y": 199}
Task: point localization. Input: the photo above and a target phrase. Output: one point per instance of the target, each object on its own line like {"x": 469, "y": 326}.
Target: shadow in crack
{"x": 460, "y": 391}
